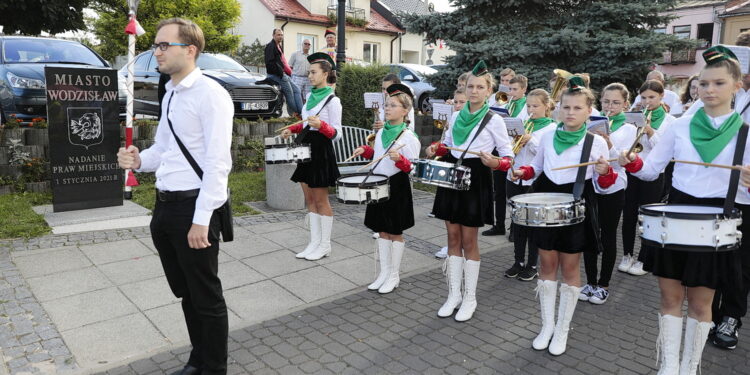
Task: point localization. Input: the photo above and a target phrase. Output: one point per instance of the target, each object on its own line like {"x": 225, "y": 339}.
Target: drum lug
{"x": 738, "y": 234}
{"x": 368, "y": 197}
{"x": 664, "y": 221}
{"x": 640, "y": 219}
{"x": 716, "y": 225}
{"x": 663, "y": 238}
{"x": 640, "y": 230}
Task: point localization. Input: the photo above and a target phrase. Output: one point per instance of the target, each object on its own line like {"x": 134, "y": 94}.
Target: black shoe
{"x": 726, "y": 335}
{"x": 528, "y": 274}
{"x": 514, "y": 271}
{"x": 494, "y": 231}
{"x": 188, "y": 370}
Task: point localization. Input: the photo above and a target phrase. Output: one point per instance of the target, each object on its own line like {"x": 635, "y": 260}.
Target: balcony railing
{"x": 679, "y": 56}
{"x": 351, "y": 13}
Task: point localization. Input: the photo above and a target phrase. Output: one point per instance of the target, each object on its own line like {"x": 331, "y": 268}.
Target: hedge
{"x": 353, "y": 81}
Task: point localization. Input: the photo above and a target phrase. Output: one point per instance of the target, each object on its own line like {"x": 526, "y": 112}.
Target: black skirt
{"x": 321, "y": 170}
{"x": 695, "y": 269}
{"x": 569, "y": 239}
{"x": 470, "y": 208}
{"x": 397, "y": 213}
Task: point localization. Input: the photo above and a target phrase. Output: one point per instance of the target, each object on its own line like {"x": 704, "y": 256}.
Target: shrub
{"x": 353, "y": 82}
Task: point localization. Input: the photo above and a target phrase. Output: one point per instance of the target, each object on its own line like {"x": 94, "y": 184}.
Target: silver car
{"x": 414, "y": 76}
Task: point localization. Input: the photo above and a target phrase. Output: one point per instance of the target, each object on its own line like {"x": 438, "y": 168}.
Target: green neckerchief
{"x": 317, "y": 95}
{"x": 466, "y": 121}
{"x": 564, "y": 139}
{"x": 390, "y": 132}
{"x": 618, "y": 121}
{"x": 657, "y": 116}
{"x": 516, "y": 106}
{"x": 709, "y": 141}
{"x": 540, "y": 123}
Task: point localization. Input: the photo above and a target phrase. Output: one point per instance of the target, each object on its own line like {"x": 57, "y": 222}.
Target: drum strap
{"x": 581, "y": 177}
{"x": 486, "y": 119}
{"x": 306, "y": 130}
{"x": 734, "y": 177}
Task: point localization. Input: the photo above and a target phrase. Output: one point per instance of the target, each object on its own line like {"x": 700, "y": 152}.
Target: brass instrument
{"x": 637, "y": 147}
{"x": 375, "y": 114}
{"x": 501, "y": 97}
{"x": 441, "y": 121}
{"x": 528, "y": 127}
{"x": 561, "y": 79}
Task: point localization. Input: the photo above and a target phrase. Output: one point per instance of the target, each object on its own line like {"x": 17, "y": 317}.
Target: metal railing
{"x": 680, "y": 56}
{"x": 351, "y": 12}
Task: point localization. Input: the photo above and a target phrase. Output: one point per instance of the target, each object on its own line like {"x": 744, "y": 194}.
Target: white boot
{"x": 696, "y": 334}
{"x": 314, "y": 235}
{"x": 397, "y": 250}
{"x": 668, "y": 344}
{"x": 547, "y": 292}
{"x": 384, "y": 253}
{"x": 453, "y": 273}
{"x": 324, "y": 249}
{"x": 469, "y": 304}
{"x": 568, "y": 301}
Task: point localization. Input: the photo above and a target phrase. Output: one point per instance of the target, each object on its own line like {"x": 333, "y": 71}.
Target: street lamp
{"x": 341, "y": 29}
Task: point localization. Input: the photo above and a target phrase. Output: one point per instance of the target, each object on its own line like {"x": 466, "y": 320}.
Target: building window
{"x": 312, "y": 39}
{"x": 660, "y": 30}
{"x": 371, "y": 52}
{"x": 682, "y": 32}
{"x": 705, "y": 34}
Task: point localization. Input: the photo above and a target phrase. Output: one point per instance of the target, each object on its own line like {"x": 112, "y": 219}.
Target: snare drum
{"x": 685, "y": 227}
{"x": 351, "y": 190}
{"x": 439, "y": 173}
{"x": 546, "y": 209}
{"x": 286, "y": 153}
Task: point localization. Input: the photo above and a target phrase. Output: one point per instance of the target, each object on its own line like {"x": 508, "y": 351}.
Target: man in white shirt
{"x": 184, "y": 226}
{"x": 670, "y": 97}
{"x": 300, "y": 66}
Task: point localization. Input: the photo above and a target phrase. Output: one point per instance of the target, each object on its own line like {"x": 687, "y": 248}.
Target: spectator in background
{"x": 670, "y": 97}
{"x": 330, "y": 47}
{"x": 300, "y": 66}
{"x": 689, "y": 92}
{"x": 280, "y": 72}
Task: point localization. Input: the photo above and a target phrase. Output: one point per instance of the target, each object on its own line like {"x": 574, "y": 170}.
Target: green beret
{"x": 480, "y": 69}
{"x": 320, "y": 56}
{"x": 576, "y": 84}
{"x": 718, "y": 53}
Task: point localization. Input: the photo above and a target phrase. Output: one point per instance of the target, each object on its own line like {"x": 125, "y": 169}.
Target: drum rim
{"x": 358, "y": 184}
{"x": 544, "y": 224}
{"x": 646, "y": 211}
{"x": 286, "y": 145}
{"x": 690, "y": 248}
{"x": 441, "y": 164}
{"x": 572, "y": 198}
{"x": 442, "y": 184}
{"x": 344, "y": 201}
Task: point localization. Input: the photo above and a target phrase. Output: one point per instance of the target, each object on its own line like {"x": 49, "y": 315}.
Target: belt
{"x": 172, "y": 196}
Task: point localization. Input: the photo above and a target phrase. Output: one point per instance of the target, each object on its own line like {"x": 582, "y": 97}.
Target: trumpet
{"x": 501, "y": 97}
{"x": 440, "y": 121}
{"x": 375, "y": 114}
{"x": 528, "y": 127}
{"x": 561, "y": 80}
{"x": 637, "y": 147}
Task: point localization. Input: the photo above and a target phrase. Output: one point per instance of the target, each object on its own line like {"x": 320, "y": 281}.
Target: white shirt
{"x": 331, "y": 114}
{"x": 494, "y": 136}
{"x": 740, "y": 101}
{"x": 672, "y": 100}
{"x": 381, "y": 116}
{"x": 410, "y": 151}
{"x": 201, "y": 112}
{"x": 696, "y": 180}
{"x": 622, "y": 139}
{"x": 523, "y": 115}
{"x": 547, "y": 158}
{"x": 529, "y": 150}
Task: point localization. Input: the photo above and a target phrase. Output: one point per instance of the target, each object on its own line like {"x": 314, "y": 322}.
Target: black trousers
{"x": 520, "y": 232}
{"x": 638, "y": 193}
{"x": 498, "y": 187}
{"x": 610, "y": 208}
{"x": 192, "y": 276}
{"x": 731, "y": 300}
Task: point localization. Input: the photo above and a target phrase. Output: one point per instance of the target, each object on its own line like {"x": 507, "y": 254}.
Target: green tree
{"x": 611, "y": 39}
{"x": 215, "y": 17}
{"x": 31, "y": 17}
{"x": 352, "y": 82}
{"x": 252, "y": 55}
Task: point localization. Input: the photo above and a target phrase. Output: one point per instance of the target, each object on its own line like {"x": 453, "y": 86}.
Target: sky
{"x": 442, "y": 5}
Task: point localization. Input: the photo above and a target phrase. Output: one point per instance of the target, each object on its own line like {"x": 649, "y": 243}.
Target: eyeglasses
{"x": 165, "y": 45}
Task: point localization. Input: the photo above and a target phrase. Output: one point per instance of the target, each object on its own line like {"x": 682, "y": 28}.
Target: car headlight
{"x": 25, "y": 83}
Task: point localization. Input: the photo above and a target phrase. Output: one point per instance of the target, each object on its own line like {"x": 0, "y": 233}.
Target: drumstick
{"x": 292, "y": 124}
{"x": 378, "y": 159}
{"x": 708, "y": 164}
{"x": 582, "y": 164}
{"x": 470, "y": 152}
{"x": 350, "y": 158}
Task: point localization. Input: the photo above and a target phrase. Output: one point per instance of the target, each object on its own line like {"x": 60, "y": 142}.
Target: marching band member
{"x": 711, "y": 135}
{"x": 505, "y": 76}
{"x": 389, "y": 80}
{"x": 639, "y": 191}
{"x": 392, "y": 217}
{"x": 539, "y": 106}
{"x": 475, "y": 129}
{"x": 561, "y": 247}
{"x": 610, "y": 201}
{"x": 517, "y": 105}
{"x": 323, "y": 113}
{"x": 670, "y": 97}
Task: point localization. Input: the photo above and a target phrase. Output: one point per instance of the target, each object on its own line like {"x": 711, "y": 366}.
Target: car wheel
{"x": 424, "y": 104}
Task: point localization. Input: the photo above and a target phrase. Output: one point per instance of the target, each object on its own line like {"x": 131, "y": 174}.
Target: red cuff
{"x": 607, "y": 180}
{"x": 404, "y": 164}
{"x": 504, "y": 164}
{"x": 635, "y": 165}
{"x": 528, "y": 172}
{"x": 440, "y": 150}
{"x": 327, "y": 130}
{"x": 369, "y": 152}
{"x": 296, "y": 128}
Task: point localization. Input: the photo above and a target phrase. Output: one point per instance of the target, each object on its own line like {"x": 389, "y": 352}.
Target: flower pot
{"x": 38, "y": 187}
{"x": 258, "y": 128}
{"x": 242, "y": 128}
{"x": 37, "y": 137}
{"x": 15, "y": 133}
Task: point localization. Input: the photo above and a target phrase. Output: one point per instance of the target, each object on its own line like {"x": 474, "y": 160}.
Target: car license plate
{"x": 254, "y": 106}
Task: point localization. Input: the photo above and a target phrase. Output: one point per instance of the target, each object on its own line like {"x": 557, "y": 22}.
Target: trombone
{"x": 527, "y": 128}
{"x": 637, "y": 147}
{"x": 501, "y": 97}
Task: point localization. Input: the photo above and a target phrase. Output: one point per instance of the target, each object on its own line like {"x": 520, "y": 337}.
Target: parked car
{"x": 414, "y": 76}
{"x": 252, "y": 95}
{"x": 22, "y": 82}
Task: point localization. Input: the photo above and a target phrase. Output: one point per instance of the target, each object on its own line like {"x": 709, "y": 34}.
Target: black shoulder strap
{"x": 304, "y": 131}
{"x": 184, "y": 149}
{"x": 745, "y": 108}
{"x": 485, "y": 120}
{"x": 734, "y": 177}
{"x": 581, "y": 177}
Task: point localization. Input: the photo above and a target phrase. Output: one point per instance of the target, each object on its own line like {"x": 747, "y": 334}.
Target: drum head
{"x": 356, "y": 179}
{"x": 543, "y": 198}
{"x": 684, "y": 211}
